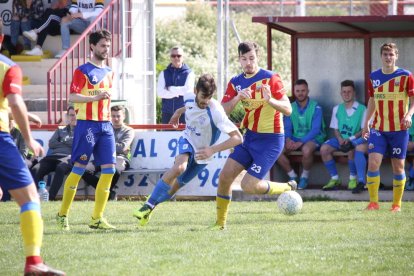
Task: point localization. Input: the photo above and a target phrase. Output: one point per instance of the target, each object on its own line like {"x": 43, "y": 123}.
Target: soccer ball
{"x": 289, "y": 203}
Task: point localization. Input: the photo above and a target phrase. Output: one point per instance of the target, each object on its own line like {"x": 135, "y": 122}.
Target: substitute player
{"x": 14, "y": 174}
{"x": 91, "y": 91}
{"x": 205, "y": 119}
{"x": 390, "y": 89}
{"x": 263, "y": 96}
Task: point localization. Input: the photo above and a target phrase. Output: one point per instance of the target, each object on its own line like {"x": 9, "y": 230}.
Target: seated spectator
{"x": 81, "y": 14}
{"x": 25, "y": 13}
{"x": 304, "y": 131}
{"x": 347, "y": 123}
{"x": 49, "y": 24}
{"x": 21, "y": 145}
{"x": 124, "y": 135}
{"x": 60, "y": 148}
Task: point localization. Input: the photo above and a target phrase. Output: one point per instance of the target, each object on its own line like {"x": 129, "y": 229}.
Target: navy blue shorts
{"x": 193, "y": 168}
{"x": 389, "y": 143}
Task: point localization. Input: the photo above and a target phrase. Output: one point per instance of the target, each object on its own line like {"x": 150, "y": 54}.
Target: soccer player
{"x": 347, "y": 122}
{"x": 304, "y": 131}
{"x": 391, "y": 102}
{"x": 263, "y": 97}
{"x": 14, "y": 174}
{"x": 205, "y": 119}
{"x": 90, "y": 91}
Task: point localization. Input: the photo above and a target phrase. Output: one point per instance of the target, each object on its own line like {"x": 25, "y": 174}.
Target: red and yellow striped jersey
{"x": 91, "y": 80}
{"x": 11, "y": 83}
{"x": 391, "y": 94}
{"x": 260, "y": 116}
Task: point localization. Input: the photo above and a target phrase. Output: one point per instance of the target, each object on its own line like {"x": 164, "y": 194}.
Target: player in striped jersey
{"x": 262, "y": 94}
{"x": 91, "y": 91}
{"x": 391, "y": 90}
{"x": 14, "y": 174}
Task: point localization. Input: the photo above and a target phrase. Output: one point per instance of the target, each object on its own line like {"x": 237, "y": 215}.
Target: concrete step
{"x": 34, "y": 91}
{"x": 40, "y": 104}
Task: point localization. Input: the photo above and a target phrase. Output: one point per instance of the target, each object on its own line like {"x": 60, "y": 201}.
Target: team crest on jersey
{"x": 202, "y": 120}
{"x": 238, "y": 88}
{"x": 83, "y": 157}
{"x": 370, "y": 146}
{"x": 397, "y": 83}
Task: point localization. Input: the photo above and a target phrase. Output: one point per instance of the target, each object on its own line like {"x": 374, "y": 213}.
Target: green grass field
{"x": 326, "y": 238}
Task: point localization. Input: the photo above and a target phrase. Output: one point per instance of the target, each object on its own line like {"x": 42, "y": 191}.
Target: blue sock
{"x": 330, "y": 165}
{"x": 160, "y": 193}
{"x": 361, "y": 165}
{"x": 358, "y": 141}
{"x": 352, "y": 167}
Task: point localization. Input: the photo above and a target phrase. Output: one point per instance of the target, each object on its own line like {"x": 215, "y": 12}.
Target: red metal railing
{"x": 59, "y": 77}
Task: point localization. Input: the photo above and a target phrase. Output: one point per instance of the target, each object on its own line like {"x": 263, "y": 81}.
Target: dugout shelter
{"x": 328, "y": 49}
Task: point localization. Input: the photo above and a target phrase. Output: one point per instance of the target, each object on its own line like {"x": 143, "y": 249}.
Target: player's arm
{"x": 232, "y": 97}
{"x": 370, "y": 113}
{"x": 235, "y": 139}
{"x": 274, "y": 94}
{"x": 175, "y": 118}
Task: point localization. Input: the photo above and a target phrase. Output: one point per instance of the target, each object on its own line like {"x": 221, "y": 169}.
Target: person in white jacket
{"x": 81, "y": 14}
{"x": 175, "y": 81}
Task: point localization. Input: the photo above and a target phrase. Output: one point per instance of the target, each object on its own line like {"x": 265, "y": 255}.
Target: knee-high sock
{"x": 361, "y": 166}
{"x": 102, "y": 192}
{"x": 159, "y": 194}
{"x": 373, "y": 182}
{"x": 352, "y": 167}
{"x": 398, "y": 184}
{"x": 276, "y": 188}
{"x": 71, "y": 184}
{"x": 222, "y": 203}
{"x": 330, "y": 165}
{"x": 31, "y": 225}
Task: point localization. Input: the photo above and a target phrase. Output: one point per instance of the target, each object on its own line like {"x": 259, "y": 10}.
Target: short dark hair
{"x": 118, "y": 108}
{"x": 348, "y": 83}
{"x": 247, "y": 46}
{"x": 389, "y": 47}
{"x": 301, "y": 81}
{"x": 96, "y": 36}
{"x": 206, "y": 85}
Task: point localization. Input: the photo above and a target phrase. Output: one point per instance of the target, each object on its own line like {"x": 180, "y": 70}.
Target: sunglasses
{"x": 176, "y": 56}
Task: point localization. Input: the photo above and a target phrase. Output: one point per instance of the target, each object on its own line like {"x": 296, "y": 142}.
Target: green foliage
{"x": 326, "y": 238}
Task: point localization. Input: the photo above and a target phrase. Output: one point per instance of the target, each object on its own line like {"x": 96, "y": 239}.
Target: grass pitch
{"x": 326, "y": 238}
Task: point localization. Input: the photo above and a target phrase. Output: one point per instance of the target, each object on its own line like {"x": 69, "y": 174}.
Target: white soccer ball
{"x": 290, "y": 203}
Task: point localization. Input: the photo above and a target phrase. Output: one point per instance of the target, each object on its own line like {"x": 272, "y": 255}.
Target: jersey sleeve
{"x": 12, "y": 82}
{"x": 230, "y": 93}
{"x": 220, "y": 118}
{"x": 78, "y": 82}
{"x": 410, "y": 85}
{"x": 276, "y": 86}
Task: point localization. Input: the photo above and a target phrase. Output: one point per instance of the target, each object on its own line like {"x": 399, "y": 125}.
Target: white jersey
{"x": 203, "y": 126}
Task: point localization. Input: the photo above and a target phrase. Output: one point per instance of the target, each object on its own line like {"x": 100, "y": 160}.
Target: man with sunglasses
{"x": 175, "y": 81}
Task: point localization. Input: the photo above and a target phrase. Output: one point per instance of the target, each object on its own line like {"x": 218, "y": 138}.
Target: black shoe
{"x": 346, "y": 147}
{"x": 359, "y": 188}
{"x": 112, "y": 195}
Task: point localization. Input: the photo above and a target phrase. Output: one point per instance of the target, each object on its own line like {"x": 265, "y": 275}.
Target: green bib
{"x": 349, "y": 125}
{"x": 302, "y": 123}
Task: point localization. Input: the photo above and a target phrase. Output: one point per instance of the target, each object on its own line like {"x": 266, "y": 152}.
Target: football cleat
{"x": 100, "y": 223}
{"x": 293, "y": 185}
{"x": 42, "y": 270}
{"x": 372, "y": 206}
{"x": 395, "y": 208}
{"x": 143, "y": 214}
{"x": 333, "y": 184}
{"x": 352, "y": 184}
{"x": 216, "y": 227}
{"x": 359, "y": 188}
{"x": 62, "y": 222}
{"x": 303, "y": 183}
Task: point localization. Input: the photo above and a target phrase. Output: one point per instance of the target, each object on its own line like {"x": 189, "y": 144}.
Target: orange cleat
{"x": 372, "y": 206}
{"x": 395, "y": 208}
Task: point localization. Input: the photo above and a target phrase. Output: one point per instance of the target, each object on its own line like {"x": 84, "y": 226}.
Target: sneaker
{"x": 352, "y": 184}
{"x": 42, "y": 269}
{"x": 60, "y": 53}
{"x": 409, "y": 184}
{"x": 31, "y": 35}
{"x": 36, "y": 51}
{"x": 293, "y": 185}
{"x": 395, "y": 208}
{"x": 359, "y": 188}
{"x": 143, "y": 214}
{"x": 100, "y": 223}
{"x": 303, "y": 183}
{"x": 372, "y": 206}
{"x": 333, "y": 184}
{"x": 216, "y": 227}
{"x": 62, "y": 222}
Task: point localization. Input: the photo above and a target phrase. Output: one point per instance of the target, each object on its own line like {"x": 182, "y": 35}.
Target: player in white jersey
{"x": 205, "y": 119}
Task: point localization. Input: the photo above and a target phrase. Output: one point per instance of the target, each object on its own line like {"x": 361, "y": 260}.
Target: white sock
{"x": 305, "y": 174}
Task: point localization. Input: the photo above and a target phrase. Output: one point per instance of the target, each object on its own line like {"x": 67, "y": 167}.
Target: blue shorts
{"x": 92, "y": 137}
{"x": 14, "y": 173}
{"x": 259, "y": 152}
{"x": 391, "y": 143}
{"x": 294, "y": 139}
{"x": 193, "y": 168}
{"x": 333, "y": 142}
